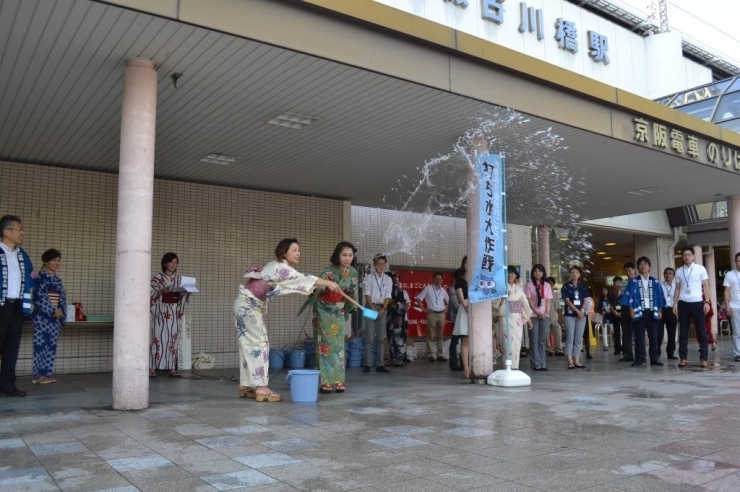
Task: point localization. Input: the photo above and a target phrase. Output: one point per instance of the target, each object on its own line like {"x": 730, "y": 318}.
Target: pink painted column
{"x": 481, "y": 316}
{"x": 543, "y": 247}
{"x": 134, "y": 237}
{"x": 733, "y": 219}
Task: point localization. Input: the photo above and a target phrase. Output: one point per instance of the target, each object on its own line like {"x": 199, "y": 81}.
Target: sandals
{"x": 43, "y": 380}
{"x": 152, "y": 374}
{"x": 247, "y": 393}
{"x": 270, "y": 397}
{"x": 340, "y": 388}
{"x": 175, "y": 374}
{"x": 326, "y": 388}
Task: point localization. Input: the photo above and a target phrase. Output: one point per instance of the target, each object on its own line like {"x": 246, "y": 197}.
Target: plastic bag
{"x": 79, "y": 312}
{"x": 204, "y": 361}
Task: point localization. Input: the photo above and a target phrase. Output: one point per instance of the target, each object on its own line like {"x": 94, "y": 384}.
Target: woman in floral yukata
{"x": 331, "y": 311}
{"x": 263, "y": 284}
{"x": 517, "y": 313}
{"x": 167, "y": 307}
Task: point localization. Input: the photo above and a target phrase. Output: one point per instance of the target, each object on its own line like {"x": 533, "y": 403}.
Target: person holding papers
{"x": 168, "y": 299}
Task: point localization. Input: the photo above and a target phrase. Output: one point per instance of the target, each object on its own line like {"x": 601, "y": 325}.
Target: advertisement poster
{"x": 413, "y": 282}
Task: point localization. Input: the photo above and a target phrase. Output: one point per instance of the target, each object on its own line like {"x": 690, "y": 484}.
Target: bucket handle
{"x": 288, "y": 378}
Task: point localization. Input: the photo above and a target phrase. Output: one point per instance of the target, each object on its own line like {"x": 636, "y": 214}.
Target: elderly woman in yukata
{"x": 517, "y": 313}
{"x": 278, "y": 277}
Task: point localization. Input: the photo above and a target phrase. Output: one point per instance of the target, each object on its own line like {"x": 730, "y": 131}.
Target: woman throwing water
{"x": 278, "y": 277}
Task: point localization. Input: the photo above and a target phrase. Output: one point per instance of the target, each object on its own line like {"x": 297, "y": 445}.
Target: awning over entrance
{"x": 61, "y": 72}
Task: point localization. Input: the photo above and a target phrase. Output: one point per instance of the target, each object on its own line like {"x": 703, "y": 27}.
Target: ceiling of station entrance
{"x": 61, "y": 80}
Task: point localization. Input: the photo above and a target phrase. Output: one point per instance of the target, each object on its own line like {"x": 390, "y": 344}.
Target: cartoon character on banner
{"x": 486, "y": 284}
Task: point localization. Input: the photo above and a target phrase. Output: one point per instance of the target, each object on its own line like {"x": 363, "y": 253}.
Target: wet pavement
{"x": 610, "y": 427}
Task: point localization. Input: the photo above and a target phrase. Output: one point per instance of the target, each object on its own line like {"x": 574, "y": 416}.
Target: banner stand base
{"x": 508, "y": 378}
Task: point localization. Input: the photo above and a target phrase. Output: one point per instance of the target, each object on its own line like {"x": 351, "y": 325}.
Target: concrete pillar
{"x": 543, "y": 247}
{"x": 709, "y": 264}
{"x": 698, "y": 254}
{"x": 134, "y": 237}
{"x": 481, "y": 317}
{"x": 733, "y": 219}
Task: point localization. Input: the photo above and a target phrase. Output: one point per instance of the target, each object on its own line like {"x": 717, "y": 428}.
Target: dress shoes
{"x": 672, "y": 357}
{"x": 13, "y": 392}
{"x": 656, "y": 363}
{"x": 382, "y": 369}
{"x": 683, "y": 363}
{"x": 365, "y": 368}
{"x": 636, "y": 364}
{"x": 626, "y": 359}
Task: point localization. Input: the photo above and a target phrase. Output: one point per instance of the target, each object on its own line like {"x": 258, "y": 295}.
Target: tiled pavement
{"x": 610, "y": 427}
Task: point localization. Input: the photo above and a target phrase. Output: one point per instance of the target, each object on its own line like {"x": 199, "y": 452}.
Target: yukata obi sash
{"x": 171, "y": 298}
{"x": 516, "y": 307}
{"x": 255, "y": 284}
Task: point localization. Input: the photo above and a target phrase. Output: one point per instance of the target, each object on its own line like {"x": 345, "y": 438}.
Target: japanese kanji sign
{"x": 488, "y": 268}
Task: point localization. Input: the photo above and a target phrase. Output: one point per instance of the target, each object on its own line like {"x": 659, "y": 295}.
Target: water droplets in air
{"x": 540, "y": 189}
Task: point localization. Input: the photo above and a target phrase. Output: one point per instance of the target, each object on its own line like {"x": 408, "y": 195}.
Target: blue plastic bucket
{"x": 303, "y": 384}
{"x": 277, "y": 359}
{"x": 297, "y": 359}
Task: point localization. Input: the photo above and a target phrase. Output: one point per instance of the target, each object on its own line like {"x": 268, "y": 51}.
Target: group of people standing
{"x": 642, "y": 305}
{"x": 27, "y": 292}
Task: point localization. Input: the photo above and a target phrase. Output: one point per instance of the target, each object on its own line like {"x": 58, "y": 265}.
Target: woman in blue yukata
{"x": 277, "y": 278}
{"x": 49, "y": 314}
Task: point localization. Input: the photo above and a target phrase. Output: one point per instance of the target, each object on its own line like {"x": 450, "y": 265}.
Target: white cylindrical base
{"x": 509, "y": 378}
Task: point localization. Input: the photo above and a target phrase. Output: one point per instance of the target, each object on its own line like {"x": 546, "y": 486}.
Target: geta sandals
{"x": 247, "y": 393}
{"x": 270, "y": 397}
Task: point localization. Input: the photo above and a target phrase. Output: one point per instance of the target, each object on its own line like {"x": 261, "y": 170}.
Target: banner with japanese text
{"x": 488, "y": 268}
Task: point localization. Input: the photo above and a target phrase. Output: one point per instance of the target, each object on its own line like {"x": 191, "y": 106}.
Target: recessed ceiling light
{"x": 221, "y": 159}
{"x": 607, "y": 257}
{"x": 644, "y": 191}
{"x": 292, "y": 120}
{"x": 610, "y": 244}
{"x": 601, "y": 253}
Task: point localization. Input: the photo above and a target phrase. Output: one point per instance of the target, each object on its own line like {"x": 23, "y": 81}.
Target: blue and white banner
{"x": 488, "y": 279}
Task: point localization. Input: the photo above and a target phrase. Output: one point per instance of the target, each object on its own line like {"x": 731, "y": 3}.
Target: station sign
{"x": 531, "y": 20}
{"x": 682, "y": 143}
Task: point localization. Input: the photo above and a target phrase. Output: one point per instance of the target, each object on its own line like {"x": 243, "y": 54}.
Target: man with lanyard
{"x": 669, "y": 321}
{"x": 732, "y": 304}
{"x": 15, "y": 299}
{"x": 437, "y": 301}
{"x": 625, "y": 320}
{"x": 377, "y": 288}
{"x": 687, "y": 304}
{"x": 647, "y": 301}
